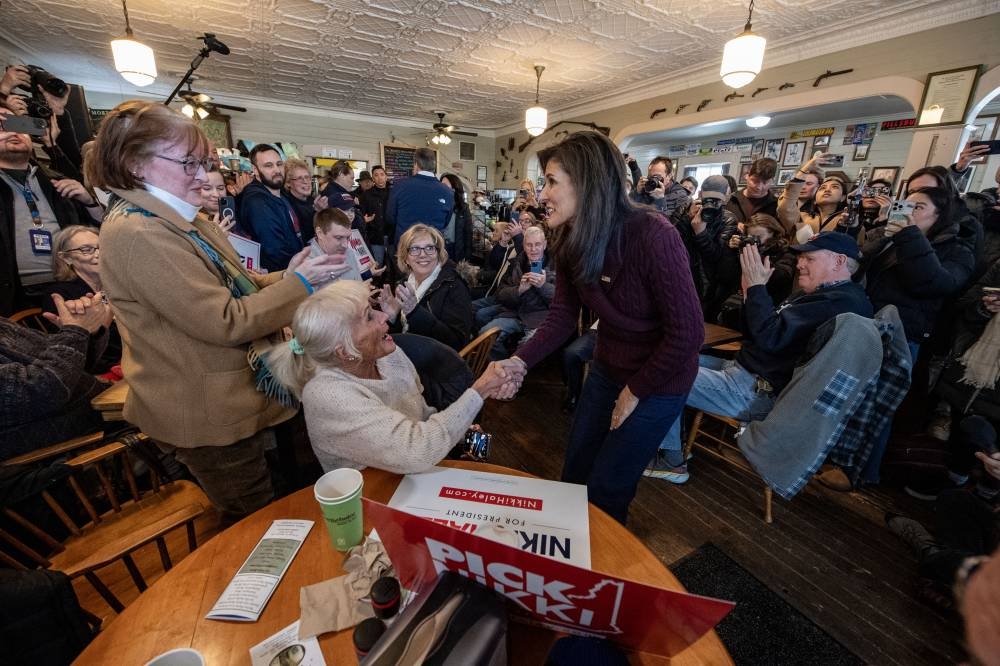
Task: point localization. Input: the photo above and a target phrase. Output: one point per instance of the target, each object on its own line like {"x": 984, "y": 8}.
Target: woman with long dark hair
{"x": 462, "y": 220}
{"x": 629, "y": 266}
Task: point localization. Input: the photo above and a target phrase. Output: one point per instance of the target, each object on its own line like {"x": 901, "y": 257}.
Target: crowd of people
{"x": 648, "y": 258}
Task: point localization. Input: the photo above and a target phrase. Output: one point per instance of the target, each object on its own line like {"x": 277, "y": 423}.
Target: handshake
{"x": 501, "y": 379}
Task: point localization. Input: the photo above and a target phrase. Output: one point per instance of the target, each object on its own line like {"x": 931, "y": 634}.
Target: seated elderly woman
{"x": 361, "y": 394}
{"x": 76, "y": 267}
{"x": 434, "y": 300}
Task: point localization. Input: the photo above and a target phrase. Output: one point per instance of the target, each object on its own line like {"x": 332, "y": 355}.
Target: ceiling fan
{"x": 202, "y": 105}
{"x": 443, "y": 131}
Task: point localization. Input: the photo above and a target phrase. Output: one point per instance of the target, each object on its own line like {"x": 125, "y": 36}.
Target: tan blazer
{"x": 185, "y": 336}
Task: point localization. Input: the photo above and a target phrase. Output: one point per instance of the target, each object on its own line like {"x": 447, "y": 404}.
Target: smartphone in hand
{"x": 227, "y": 206}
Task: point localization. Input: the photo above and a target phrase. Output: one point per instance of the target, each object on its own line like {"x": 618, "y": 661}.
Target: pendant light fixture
{"x": 743, "y": 57}
{"x": 133, "y": 59}
{"x": 536, "y": 119}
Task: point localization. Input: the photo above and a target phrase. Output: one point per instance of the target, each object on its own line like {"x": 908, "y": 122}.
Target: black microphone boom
{"x": 211, "y": 44}
{"x": 214, "y": 44}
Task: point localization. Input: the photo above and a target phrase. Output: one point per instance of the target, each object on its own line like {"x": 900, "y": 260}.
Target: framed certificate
{"x": 947, "y": 96}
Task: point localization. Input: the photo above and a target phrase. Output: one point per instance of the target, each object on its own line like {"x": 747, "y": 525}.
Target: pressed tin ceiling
{"x": 406, "y": 58}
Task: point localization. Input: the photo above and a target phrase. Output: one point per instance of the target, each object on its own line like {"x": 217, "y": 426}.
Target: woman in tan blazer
{"x": 189, "y": 313}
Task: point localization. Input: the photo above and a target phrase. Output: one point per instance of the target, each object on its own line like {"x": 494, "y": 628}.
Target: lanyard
{"x": 29, "y": 198}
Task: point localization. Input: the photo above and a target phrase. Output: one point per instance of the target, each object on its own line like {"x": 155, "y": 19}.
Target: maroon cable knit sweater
{"x": 651, "y": 326}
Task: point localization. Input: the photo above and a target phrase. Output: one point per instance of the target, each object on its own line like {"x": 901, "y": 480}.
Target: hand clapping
{"x": 90, "y": 312}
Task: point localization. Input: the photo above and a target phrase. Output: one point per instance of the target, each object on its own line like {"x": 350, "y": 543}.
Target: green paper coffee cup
{"x": 339, "y": 495}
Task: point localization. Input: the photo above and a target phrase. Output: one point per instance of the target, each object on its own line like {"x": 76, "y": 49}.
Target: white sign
{"x": 366, "y": 261}
{"x": 345, "y": 153}
{"x": 248, "y": 250}
{"x": 543, "y": 517}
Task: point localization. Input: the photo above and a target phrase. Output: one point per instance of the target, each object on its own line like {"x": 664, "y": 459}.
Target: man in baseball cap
{"x": 747, "y": 387}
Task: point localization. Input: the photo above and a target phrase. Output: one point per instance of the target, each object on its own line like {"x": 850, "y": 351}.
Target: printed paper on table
{"x": 252, "y": 586}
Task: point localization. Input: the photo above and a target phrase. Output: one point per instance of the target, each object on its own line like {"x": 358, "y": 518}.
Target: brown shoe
{"x": 834, "y": 478}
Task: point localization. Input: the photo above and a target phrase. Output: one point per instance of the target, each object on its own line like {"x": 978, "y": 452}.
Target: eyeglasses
{"x": 190, "y": 164}
{"x": 417, "y": 250}
{"x": 300, "y": 179}
{"x": 85, "y": 250}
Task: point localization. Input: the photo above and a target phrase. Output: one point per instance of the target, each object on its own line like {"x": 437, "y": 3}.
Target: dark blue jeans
{"x": 610, "y": 462}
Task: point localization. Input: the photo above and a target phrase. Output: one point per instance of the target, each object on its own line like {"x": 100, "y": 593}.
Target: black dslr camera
{"x": 747, "y": 239}
{"x": 652, "y": 183}
{"x": 42, "y": 80}
{"x": 711, "y": 210}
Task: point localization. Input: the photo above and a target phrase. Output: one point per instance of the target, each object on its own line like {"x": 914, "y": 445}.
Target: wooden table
{"x": 718, "y": 335}
{"x": 111, "y": 401}
{"x": 171, "y": 613}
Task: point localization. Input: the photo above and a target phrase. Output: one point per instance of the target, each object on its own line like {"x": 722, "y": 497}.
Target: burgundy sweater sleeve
{"x": 667, "y": 276}
{"x": 564, "y": 313}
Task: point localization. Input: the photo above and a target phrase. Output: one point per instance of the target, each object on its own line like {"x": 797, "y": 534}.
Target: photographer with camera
{"x": 658, "y": 188}
{"x": 704, "y": 226}
{"x": 46, "y": 103}
{"x": 33, "y": 207}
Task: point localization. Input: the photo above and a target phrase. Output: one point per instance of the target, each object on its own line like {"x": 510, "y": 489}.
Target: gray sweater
{"x": 383, "y": 423}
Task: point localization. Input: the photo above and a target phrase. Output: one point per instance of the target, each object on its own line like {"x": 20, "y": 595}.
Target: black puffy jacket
{"x": 918, "y": 273}
{"x": 445, "y": 311}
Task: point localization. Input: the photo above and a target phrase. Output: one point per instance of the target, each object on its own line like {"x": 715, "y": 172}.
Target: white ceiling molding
{"x": 401, "y": 60}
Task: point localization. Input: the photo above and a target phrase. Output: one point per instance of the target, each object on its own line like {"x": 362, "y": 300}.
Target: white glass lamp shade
{"x": 742, "y": 59}
{"x": 188, "y": 110}
{"x": 536, "y": 120}
{"x": 202, "y": 113}
{"x": 445, "y": 139}
{"x": 931, "y": 115}
{"x": 134, "y": 61}
{"x": 758, "y": 121}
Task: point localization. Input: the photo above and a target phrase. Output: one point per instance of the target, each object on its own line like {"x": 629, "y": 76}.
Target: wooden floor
{"x": 827, "y": 554}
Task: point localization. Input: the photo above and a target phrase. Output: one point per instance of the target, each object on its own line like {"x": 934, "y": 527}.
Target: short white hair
{"x": 535, "y": 230}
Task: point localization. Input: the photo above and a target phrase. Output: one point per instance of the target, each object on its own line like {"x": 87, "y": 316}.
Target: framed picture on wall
{"x": 772, "y": 149}
{"x": 216, "y": 128}
{"x": 746, "y": 158}
{"x": 785, "y": 175}
{"x": 795, "y": 152}
{"x": 821, "y": 142}
{"x": 861, "y": 152}
{"x": 758, "y": 149}
{"x": 481, "y": 172}
{"x": 947, "y": 96}
{"x": 885, "y": 173}
{"x": 744, "y": 171}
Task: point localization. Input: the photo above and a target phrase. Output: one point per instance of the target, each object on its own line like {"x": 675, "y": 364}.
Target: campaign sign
{"x": 544, "y": 591}
{"x": 248, "y": 250}
{"x": 365, "y": 259}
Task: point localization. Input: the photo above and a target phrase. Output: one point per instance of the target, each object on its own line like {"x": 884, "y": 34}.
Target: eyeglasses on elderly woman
{"x": 190, "y": 164}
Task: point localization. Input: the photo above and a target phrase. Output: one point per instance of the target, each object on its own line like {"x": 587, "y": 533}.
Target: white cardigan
{"x": 383, "y": 423}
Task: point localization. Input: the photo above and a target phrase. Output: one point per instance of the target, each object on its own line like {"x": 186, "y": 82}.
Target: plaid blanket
{"x": 880, "y": 399}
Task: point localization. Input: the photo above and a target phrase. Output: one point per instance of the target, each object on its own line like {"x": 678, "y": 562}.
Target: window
{"x": 703, "y": 171}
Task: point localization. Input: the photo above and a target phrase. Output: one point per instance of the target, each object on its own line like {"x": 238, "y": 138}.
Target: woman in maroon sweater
{"x": 628, "y": 265}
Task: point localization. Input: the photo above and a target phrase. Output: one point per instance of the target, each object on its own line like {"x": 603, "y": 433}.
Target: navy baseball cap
{"x": 834, "y": 241}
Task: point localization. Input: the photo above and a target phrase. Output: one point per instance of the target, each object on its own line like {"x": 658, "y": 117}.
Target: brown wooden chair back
{"x": 32, "y": 318}
{"x": 477, "y": 352}
{"x": 104, "y": 508}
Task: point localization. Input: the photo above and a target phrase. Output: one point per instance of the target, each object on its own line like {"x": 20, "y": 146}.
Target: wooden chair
{"x": 477, "y": 352}
{"x": 117, "y": 518}
{"x": 32, "y": 318}
{"x": 717, "y": 437}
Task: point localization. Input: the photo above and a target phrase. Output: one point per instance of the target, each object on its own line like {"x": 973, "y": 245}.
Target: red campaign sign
{"x": 555, "y": 594}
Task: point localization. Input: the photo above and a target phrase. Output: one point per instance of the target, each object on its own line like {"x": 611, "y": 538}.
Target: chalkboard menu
{"x": 398, "y": 161}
